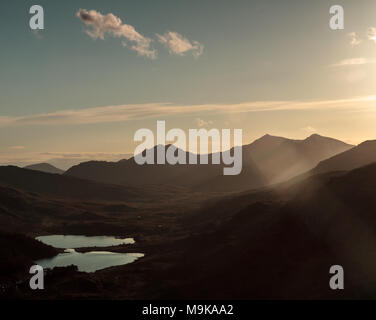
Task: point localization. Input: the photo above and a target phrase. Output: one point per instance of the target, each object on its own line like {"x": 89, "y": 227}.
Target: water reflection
{"x": 89, "y": 261}
{"x": 73, "y": 242}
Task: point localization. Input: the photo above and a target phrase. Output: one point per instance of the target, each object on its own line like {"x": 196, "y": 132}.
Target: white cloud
{"x": 202, "y": 123}
{"x": 177, "y": 44}
{"x": 354, "y": 39}
{"x": 310, "y": 129}
{"x": 100, "y": 25}
{"x": 110, "y": 114}
{"x": 353, "y": 62}
{"x": 372, "y": 34}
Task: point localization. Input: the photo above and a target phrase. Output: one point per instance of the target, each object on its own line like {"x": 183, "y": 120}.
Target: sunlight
{"x": 369, "y": 98}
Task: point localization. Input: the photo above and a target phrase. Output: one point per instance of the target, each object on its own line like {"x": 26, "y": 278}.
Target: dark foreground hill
{"x": 18, "y": 254}
{"x": 273, "y": 243}
{"x": 266, "y": 161}
{"x": 64, "y": 186}
{"x": 281, "y": 242}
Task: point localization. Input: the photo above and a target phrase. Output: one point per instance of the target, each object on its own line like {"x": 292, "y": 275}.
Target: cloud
{"x": 353, "y": 62}
{"x": 37, "y": 34}
{"x": 100, "y": 25}
{"x": 112, "y": 114}
{"x": 354, "y": 39}
{"x": 309, "y": 129}
{"x": 372, "y": 34}
{"x": 17, "y": 147}
{"x": 179, "y": 45}
{"x": 202, "y": 123}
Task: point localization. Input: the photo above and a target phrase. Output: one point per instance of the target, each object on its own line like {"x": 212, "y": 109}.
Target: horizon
{"x": 73, "y": 162}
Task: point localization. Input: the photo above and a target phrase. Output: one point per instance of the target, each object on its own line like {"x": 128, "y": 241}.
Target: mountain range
{"x": 314, "y": 208}
{"x": 266, "y": 161}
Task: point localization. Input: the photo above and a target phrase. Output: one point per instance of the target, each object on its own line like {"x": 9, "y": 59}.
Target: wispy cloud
{"x": 354, "y": 39}
{"x": 371, "y": 34}
{"x": 179, "y": 45}
{"x": 17, "y": 147}
{"x": 203, "y": 123}
{"x": 309, "y": 129}
{"x": 122, "y": 113}
{"x": 100, "y": 25}
{"x": 353, "y": 62}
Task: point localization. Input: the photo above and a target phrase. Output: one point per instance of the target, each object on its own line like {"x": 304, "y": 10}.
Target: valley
{"x": 274, "y": 242}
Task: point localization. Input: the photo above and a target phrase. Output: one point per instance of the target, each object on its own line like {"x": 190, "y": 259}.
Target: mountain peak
{"x": 316, "y": 136}
{"x": 45, "y": 167}
{"x": 267, "y": 137}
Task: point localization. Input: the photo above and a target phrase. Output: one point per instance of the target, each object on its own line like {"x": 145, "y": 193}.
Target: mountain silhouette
{"x": 62, "y": 186}
{"x": 361, "y": 155}
{"x": 45, "y": 167}
{"x": 285, "y": 238}
{"x": 266, "y": 161}
{"x": 235, "y": 246}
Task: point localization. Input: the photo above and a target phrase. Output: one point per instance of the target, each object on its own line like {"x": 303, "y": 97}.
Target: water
{"x": 88, "y": 261}
{"x": 74, "y": 242}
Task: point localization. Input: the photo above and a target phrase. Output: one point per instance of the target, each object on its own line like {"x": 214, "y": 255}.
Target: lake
{"x": 74, "y": 242}
{"x": 88, "y": 261}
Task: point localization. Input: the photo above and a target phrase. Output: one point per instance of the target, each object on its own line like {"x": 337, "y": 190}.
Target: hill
{"x": 62, "y": 186}
{"x": 359, "y": 156}
{"x": 45, "y": 167}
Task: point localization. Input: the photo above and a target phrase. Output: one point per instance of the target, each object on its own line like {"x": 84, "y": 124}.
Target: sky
{"x": 101, "y": 70}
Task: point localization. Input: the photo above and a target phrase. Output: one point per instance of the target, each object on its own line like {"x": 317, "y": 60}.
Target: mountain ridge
{"x": 44, "y": 167}
{"x": 361, "y": 155}
{"x": 267, "y": 160}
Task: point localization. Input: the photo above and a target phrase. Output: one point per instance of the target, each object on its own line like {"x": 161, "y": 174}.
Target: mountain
{"x": 280, "y": 242}
{"x": 359, "y": 156}
{"x": 276, "y": 242}
{"x": 279, "y": 159}
{"x": 266, "y": 161}
{"x": 62, "y": 186}
{"x": 45, "y": 167}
